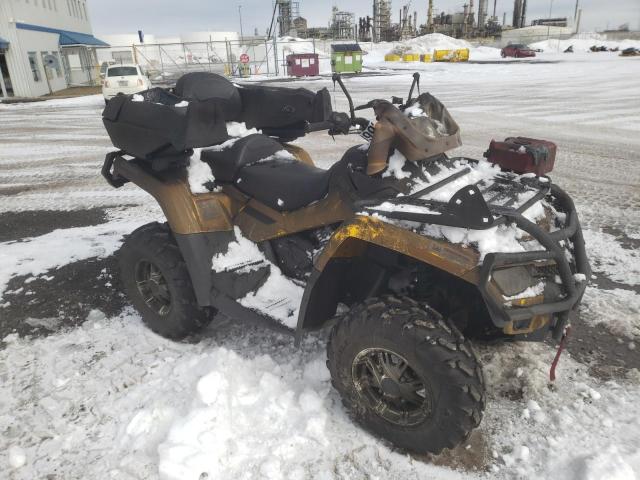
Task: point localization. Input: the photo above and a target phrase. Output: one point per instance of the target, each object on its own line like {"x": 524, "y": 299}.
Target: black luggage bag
{"x": 163, "y": 134}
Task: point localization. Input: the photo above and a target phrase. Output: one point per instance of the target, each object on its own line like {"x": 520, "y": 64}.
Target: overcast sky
{"x": 171, "y": 17}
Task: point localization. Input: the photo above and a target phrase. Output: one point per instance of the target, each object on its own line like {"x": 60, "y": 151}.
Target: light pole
{"x": 240, "y": 14}
{"x": 549, "y": 20}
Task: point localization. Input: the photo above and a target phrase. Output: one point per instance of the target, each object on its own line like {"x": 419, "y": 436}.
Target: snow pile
{"x": 236, "y": 131}
{"x": 425, "y": 44}
{"x": 290, "y": 45}
{"x": 17, "y": 457}
{"x": 583, "y": 44}
{"x": 266, "y": 420}
{"x": 279, "y": 155}
{"x": 242, "y": 255}
{"x": 278, "y": 297}
{"x": 428, "y": 43}
{"x": 257, "y": 407}
{"x": 239, "y": 130}
{"x": 396, "y": 162}
{"x": 529, "y": 292}
{"x": 483, "y": 171}
{"x": 394, "y": 207}
{"x": 500, "y": 239}
{"x": 36, "y": 255}
{"x": 199, "y": 174}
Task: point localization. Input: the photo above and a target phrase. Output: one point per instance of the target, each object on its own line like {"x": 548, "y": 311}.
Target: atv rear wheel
{"x": 406, "y": 374}
{"x": 158, "y": 284}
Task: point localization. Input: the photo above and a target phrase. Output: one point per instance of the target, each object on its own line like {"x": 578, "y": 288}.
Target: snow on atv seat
{"x": 199, "y": 173}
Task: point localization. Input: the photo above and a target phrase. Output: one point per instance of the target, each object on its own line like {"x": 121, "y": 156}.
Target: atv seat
{"x": 226, "y": 163}
{"x": 253, "y": 166}
{"x": 284, "y": 184}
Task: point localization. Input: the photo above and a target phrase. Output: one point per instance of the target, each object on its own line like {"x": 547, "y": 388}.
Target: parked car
{"x": 127, "y": 79}
{"x": 517, "y": 51}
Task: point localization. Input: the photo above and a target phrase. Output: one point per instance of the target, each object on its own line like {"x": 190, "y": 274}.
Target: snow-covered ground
{"x": 109, "y": 399}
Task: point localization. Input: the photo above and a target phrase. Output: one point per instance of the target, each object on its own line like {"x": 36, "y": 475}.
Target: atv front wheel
{"x": 406, "y": 374}
{"x": 158, "y": 284}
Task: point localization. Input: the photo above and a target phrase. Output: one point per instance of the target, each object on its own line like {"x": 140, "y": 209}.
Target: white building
{"x": 46, "y": 46}
{"x": 534, "y": 33}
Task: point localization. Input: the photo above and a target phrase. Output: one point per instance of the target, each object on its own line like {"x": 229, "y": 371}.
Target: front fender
{"x": 352, "y": 239}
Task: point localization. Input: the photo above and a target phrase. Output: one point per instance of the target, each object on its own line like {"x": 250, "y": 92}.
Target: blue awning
{"x": 4, "y": 44}
{"x": 67, "y": 38}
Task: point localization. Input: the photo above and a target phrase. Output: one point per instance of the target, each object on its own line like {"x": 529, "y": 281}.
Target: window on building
{"x": 33, "y": 63}
{"x": 48, "y": 71}
{"x": 55, "y": 5}
{"x": 58, "y": 64}
{"x": 84, "y": 9}
{"x": 69, "y": 7}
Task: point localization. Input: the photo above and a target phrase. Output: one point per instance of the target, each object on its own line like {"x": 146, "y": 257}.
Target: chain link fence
{"x": 164, "y": 63}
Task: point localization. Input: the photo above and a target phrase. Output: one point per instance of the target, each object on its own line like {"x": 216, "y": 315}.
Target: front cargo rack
{"x": 468, "y": 208}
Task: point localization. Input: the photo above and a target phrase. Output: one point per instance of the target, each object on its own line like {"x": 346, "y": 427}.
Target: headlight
{"x": 514, "y": 280}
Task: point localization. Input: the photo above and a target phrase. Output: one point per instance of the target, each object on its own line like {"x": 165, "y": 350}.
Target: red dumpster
{"x": 303, "y": 64}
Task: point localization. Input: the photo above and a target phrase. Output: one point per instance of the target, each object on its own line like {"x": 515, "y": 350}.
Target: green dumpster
{"x": 346, "y": 57}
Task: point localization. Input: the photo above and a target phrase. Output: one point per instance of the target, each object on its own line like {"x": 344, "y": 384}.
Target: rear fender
{"x": 186, "y": 213}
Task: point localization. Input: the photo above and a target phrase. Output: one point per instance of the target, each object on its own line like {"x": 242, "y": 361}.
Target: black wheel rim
{"x": 391, "y": 388}
{"x": 153, "y": 287}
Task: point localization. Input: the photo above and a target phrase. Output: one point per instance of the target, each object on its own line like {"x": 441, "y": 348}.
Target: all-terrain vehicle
{"x": 406, "y": 252}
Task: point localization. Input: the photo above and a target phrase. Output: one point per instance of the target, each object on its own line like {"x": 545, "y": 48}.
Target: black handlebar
{"x": 337, "y": 78}
{"x": 416, "y": 81}
{"x": 318, "y": 126}
{"x": 338, "y": 123}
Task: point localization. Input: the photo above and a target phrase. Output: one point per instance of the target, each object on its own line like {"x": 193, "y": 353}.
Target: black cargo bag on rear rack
{"x": 163, "y": 134}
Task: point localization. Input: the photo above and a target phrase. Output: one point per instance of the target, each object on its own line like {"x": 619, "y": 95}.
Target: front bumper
{"x": 578, "y": 263}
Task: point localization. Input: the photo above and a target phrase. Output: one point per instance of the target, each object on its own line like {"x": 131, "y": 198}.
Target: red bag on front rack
{"x": 523, "y": 155}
